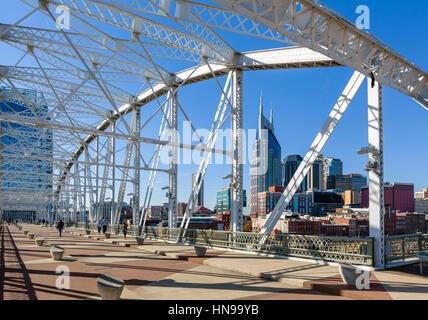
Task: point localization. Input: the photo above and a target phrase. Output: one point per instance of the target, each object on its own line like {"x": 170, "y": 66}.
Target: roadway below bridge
{"x": 165, "y": 271}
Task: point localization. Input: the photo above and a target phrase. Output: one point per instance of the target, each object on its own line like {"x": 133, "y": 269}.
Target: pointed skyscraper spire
{"x": 271, "y": 118}
{"x": 261, "y": 111}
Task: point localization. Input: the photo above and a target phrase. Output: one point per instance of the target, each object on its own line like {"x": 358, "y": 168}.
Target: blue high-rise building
{"x": 289, "y": 167}
{"x": 25, "y": 151}
{"x": 266, "y": 168}
{"x": 224, "y": 200}
{"x": 332, "y": 167}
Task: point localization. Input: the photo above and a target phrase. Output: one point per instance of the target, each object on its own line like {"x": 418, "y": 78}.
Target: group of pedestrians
{"x": 101, "y": 225}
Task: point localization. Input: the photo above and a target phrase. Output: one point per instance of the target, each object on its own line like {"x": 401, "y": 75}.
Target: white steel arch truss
{"x": 66, "y": 129}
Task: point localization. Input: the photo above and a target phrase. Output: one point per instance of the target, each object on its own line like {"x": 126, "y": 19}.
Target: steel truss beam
{"x": 311, "y": 24}
{"x": 219, "y": 119}
{"x": 173, "y": 172}
{"x": 97, "y": 132}
{"x": 376, "y": 173}
{"x": 236, "y": 217}
{"x": 117, "y": 16}
{"x": 137, "y": 155}
{"x": 283, "y": 58}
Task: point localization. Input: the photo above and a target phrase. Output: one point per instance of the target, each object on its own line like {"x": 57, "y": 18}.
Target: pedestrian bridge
{"x": 90, "y": 105}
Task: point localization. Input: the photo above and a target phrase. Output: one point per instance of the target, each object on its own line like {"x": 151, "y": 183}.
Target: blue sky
{"x": 301, "y": 100}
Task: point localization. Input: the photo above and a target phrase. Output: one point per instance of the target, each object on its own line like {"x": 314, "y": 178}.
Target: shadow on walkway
{"x": 14, "y": 282}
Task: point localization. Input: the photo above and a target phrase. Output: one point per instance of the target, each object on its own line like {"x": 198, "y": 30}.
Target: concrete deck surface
{"x": 166, "y": 271}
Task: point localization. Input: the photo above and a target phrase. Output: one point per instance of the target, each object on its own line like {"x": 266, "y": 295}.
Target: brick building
{"x": 224, "y": 219}
{"x": 398, "y": 196}
{"x": 302, "y": 227}
{"x": 399, "y": 223}
{"x": 334, "y": 229}
{"x": 204, "y": 223}
{"x": 314, "y": 203}
{"x": 181, "y": 208}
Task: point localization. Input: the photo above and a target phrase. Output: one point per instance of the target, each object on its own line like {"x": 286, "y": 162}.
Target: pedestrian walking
{"x": 105, "y": 225}
{"x": 99, "y": 226}
{"x": 60, "y": 226}
{"x": 125, "y": 228}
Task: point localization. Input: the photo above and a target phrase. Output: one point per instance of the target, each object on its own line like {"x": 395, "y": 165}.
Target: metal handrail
{"x": 357, "y": 251}
{"x": 403, "y": 247}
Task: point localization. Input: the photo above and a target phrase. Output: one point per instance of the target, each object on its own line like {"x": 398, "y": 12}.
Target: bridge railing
{"x": 403, "y": 247}
{"x": 357, "y": 251}
{"x": 115, "y": 229}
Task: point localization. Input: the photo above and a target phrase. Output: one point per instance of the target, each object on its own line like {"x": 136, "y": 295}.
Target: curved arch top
{"x": 283, "y": 58}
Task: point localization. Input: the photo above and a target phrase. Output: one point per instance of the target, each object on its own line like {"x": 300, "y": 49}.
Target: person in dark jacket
{"x": 125, "y": 228}
{"x": 105, "y": 225}
{"x": 99, "y": 226}
{"x": 60, "y": 226}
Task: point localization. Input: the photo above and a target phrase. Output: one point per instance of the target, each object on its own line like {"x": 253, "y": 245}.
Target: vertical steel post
{"x": 136, "y": 189}
{"x": 172, "y": 194}
{"x": 75, "y": 192}
{"x": 237, "y": 151}
{"x": 67, "y": 199}
{"x": 85, "y": 217}
{"x": 113, "y": 163}
{"x": 97, "y": 190}
{"x": 376, "y": 184}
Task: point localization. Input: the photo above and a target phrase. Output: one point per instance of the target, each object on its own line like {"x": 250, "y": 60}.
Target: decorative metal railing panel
{"x": 400, "y": 248}
{"x": 357, "y": 251}
{"x": 424, "y": 242}
{"x": 345, "y": 250}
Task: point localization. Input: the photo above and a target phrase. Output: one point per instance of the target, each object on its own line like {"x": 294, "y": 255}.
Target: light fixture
{"x": 368, "y": 150}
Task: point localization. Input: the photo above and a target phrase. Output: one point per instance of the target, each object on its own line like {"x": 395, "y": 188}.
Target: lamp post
{"x": 104, "y": 207}
{"x": 132, "y": 204}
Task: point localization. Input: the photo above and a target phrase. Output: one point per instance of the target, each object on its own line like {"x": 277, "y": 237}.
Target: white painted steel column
{"x": 376, "y": 184}
{"x": 236, "y": 223}
{"x": 97, "y": 176}
{"x": 85, "y": 190}
{"x": 172, "y": 194}
{"x": 75, "y": 192}
{"x": 136, "y": 189}
{"x": 113, "y": 167}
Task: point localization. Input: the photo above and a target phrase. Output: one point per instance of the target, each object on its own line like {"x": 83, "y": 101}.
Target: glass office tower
{"x": 25, "y": 151}
{"x": 266, "y": 168}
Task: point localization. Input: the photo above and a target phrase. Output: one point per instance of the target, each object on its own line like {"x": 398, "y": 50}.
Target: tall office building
{"x": 200, "y": 199}
{"x": 316, "y": 175}
{"x": 266, "y": 168}
{"x": 332, "y": 167}
{"x": 289, "y": 167}
{"x": 346, "y": 182}
{"x": 31, "y": 178}
{"x": 315, "y": 203}
{"x": 224, "y": 200}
